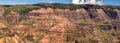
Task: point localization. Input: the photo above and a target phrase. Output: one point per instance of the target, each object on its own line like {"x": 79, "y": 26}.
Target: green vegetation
{"x": 98, "y": 22}
{"x": 52, "y": 38}
{"x": 29, "y": 22}
{"x": 81, "y": 23}
{"x": 90, "y": 37}
{"x": 106, "y": 35}
{"x": 39, "y": 38}
{"x": 6, "y": 23}
{"x": 54, "y": 23}
{"x": 73, "y": 6}
{"x": 24, "y": 9}
{"x": 74, "y": 35}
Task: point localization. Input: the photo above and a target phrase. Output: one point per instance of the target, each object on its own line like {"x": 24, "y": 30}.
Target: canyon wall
{"x": 48, "y": 25}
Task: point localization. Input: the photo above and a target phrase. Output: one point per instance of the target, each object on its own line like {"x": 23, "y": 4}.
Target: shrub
{"x": 39, "y": 38}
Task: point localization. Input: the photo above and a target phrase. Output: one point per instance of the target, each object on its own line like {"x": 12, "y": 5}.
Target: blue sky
{"x": 107, "y": 2}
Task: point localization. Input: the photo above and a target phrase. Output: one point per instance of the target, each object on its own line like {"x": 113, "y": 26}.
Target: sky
{"x": 13, "y": 2}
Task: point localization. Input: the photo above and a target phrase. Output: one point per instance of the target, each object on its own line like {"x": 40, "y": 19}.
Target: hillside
{"x": 59, "y": 23}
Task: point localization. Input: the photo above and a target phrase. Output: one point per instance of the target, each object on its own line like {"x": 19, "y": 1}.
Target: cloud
{"x": 88, "y": 2}
{"x": 100, "y": 3}
{"x": 50, "y": 2}
{"x": 75, "y": 1}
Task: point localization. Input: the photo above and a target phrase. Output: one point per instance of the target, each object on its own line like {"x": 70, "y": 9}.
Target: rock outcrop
{"x": 12, "y": 17}
{"x": 1, "y": 11}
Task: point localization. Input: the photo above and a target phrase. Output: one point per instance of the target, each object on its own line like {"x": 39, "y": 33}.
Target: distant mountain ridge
{"x": 57, "y": 4}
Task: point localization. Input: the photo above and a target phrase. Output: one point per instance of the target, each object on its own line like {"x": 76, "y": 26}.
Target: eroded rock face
{"x": 12, "y": 17}
{"x": 55, "y": 23}
{"x": 47, "y": 25}
{"x": 11, "y": 40}
{"x": 118, "y": 13}
{"x": 2, "y": 25}
{"x": 102, "y": 15}
{"x": 1, "y": 11}
{"x": 43, "y": 10}
{"x": 111, "y": 13}
{"x": 1, "y": 41}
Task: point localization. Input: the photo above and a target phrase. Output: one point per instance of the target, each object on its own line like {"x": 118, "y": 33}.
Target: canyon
{"x": 49, "y": 25}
